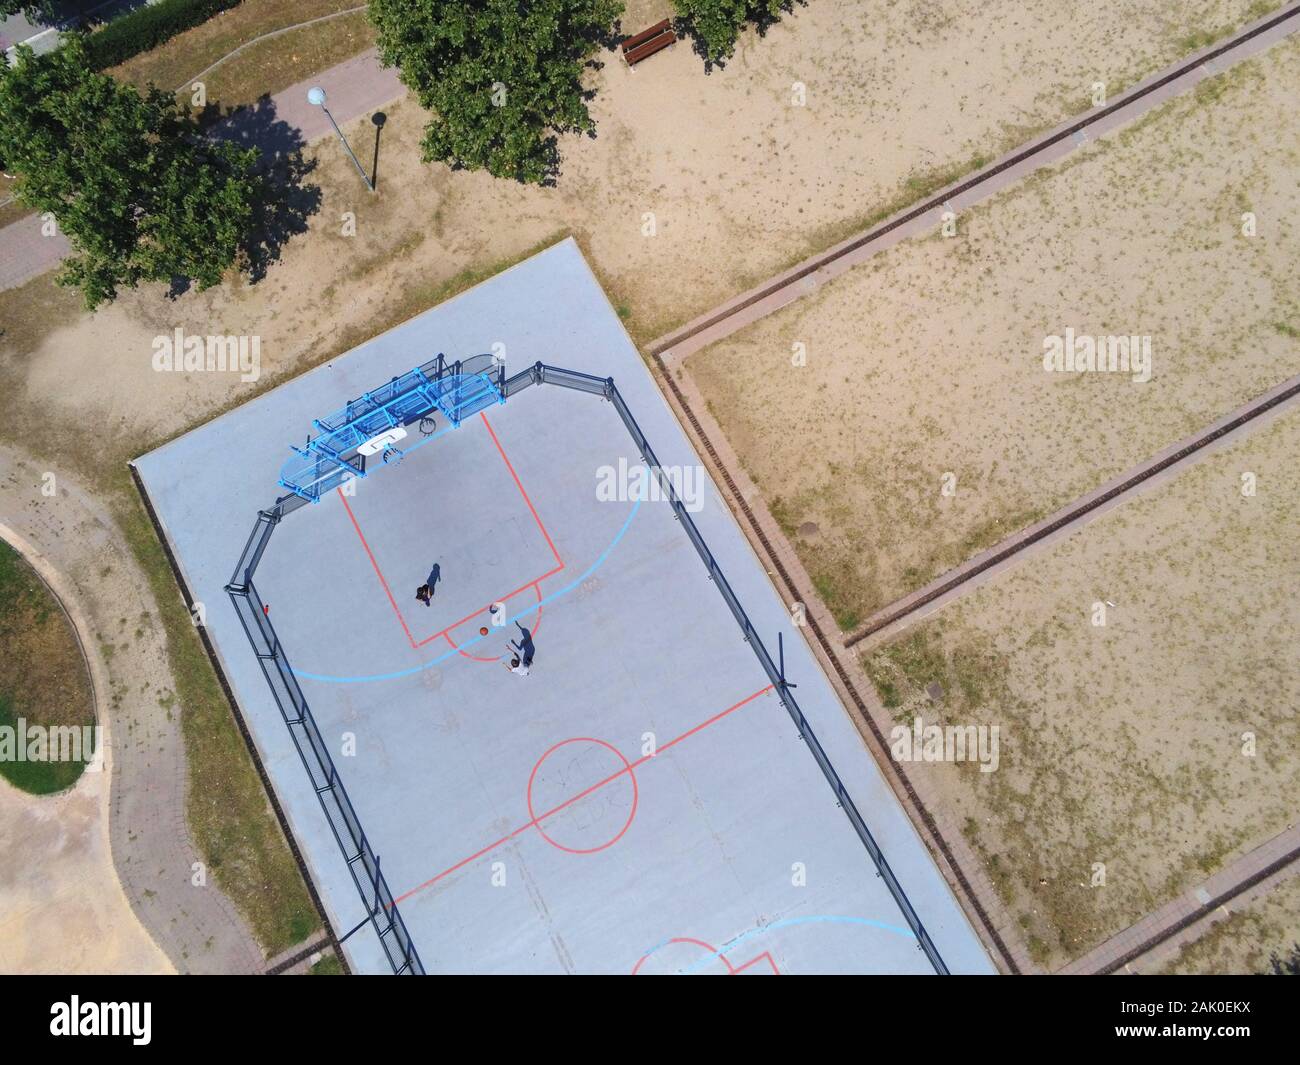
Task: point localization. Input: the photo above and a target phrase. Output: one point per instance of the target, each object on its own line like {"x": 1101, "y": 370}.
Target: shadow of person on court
{"x": 525, "y": 645}
{"x": 435, "y": 575}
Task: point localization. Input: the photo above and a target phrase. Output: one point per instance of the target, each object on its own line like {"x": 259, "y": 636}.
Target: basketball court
{"x": 640, "y": 802}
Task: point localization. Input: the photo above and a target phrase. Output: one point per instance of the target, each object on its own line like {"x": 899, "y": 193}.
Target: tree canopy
{"x": 139, "y": 192}
{"x": 33, "y": 9}
{"x": 501, "y": 79}
{"x": 715, "y": 24}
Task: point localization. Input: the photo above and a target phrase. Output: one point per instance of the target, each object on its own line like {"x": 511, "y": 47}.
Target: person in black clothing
{"x": 424, "y": 593}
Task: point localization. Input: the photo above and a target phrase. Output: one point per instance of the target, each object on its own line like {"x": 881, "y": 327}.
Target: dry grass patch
{"x": 174, "y": 62}
{"x": 1244, "y": 942}
{"x": 1125, "y": 744}
{"x": 925, "y": 365}
{"x": 275, "y": 64}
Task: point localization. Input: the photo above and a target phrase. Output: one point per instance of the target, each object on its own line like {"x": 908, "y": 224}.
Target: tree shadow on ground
{"x": 761, "y": 20}
{"x": 285, "y": 200}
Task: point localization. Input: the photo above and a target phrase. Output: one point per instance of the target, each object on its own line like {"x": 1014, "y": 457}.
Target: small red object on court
{"x": 482, "y": 630}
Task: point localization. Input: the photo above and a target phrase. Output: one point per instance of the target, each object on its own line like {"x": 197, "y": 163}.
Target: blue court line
{"x": 455, "y": 652}
{"x": 789, "y": 922}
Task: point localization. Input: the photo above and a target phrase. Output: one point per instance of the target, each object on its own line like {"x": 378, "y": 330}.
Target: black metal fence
{"x": 361, "y": 858}
{"x": 543, "y": 374}
{"x": 362, "y": 861}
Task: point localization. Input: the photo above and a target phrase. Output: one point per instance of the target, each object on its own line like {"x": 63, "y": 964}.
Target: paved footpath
{"x": 1248, "y": 877}
{"x": 74, "y": 539}
{"x": 354, "y": 88}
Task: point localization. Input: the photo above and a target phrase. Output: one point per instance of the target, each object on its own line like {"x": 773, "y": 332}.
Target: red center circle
{"x": 592, "y": 789}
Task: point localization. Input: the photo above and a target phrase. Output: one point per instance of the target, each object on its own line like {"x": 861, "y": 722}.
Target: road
{"x": 43, "y": 34}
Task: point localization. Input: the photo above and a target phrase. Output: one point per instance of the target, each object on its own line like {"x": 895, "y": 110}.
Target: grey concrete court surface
{"x": 640, "y": 802}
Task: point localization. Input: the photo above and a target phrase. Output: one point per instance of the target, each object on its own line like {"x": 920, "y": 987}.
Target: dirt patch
{"x": 1245, "y": 941}
{"x": 923, "y": 427}
{"x": 62, "y": 910}
{"x": 1140, "y": 755}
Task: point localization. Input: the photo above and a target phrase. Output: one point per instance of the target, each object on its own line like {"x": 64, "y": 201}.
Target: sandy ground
{"x": 63, "y": 908}
{"x": 739, "y": 179}
{"x": 1243, "y": 942}
{"x": 81, "y": 553}
{"x": 927, "y": 361}
{"x": 1124, "y": 744}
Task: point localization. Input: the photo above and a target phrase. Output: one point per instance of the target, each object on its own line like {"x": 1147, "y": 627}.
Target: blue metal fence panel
{"x": 457, "y": 390}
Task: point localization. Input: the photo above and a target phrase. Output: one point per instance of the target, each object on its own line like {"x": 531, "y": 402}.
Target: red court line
{"x": 534, "y": 583}
{"x": 732, "y": 970}
{"x": 537, "y": 624}
{"x": 583, "y": 794}
{"x": 378, "y": 572}
{"x": 765, "y": 956}
{"x": 519, "y": 485}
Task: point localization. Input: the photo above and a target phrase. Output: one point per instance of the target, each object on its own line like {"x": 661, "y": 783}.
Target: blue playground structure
{"x": 373, "y": 424}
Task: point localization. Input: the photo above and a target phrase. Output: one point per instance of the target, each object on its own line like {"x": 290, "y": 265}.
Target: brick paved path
{"x": 1264, "y": 865}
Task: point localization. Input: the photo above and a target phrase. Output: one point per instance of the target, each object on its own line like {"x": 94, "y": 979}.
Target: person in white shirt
{"x": 517, "y": 666}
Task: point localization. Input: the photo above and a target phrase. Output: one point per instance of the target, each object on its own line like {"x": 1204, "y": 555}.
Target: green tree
{"x": 33, "y": 9}
{"x": 715, "y": 24}
{"x": 139, "y": 192}
{"x": 501, "y": 78}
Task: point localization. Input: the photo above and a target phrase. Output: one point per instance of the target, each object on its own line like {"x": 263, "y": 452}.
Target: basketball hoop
{"x": 382, "y": 443}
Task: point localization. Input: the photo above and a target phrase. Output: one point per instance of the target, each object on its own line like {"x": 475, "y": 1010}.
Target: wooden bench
{"x": 647, "y": 42}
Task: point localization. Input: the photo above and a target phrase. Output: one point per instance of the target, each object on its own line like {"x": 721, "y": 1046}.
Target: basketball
{"x": 483, "y": 631}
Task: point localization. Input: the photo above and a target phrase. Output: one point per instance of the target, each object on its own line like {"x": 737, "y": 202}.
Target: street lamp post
{"x": 316, "y": 96}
